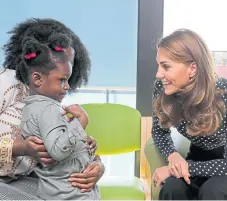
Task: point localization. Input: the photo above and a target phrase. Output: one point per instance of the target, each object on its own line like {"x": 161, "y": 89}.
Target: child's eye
{"x": 63, "y": 80}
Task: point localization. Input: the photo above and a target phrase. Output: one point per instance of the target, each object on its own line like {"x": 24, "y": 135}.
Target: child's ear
{"x": 37, "y": 79}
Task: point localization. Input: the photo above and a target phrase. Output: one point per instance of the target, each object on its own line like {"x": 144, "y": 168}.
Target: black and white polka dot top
{"x": 164, "y": 143}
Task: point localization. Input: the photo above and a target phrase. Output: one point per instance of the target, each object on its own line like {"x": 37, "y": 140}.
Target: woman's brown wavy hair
{"x": 199, "y": 103}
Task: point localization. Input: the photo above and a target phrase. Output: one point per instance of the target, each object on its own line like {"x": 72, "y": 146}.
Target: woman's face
{"x": 174, "y": 76}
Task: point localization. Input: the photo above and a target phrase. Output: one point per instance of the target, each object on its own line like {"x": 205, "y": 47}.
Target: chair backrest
{"x": 116, "y": 127}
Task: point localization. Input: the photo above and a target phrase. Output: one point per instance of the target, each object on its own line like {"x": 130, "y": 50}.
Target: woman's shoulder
{"x": 8, "y": 75}
{"x": 221, "y": 84}
{"x": 8, "y": 78}
{"x": 9, "y": 82}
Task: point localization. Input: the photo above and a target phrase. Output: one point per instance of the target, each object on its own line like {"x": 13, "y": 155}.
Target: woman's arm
{"x": 19, "y": 148}
{"x": 178, "y": 166}
{"x": 34, "y": 148}
{"x": 216, "y": 167}
{"x": 8, "y": 90}
{"x": 162, "y": 139}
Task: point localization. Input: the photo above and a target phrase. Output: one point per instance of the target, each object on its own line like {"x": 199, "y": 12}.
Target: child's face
{"x": 55, "y": 84}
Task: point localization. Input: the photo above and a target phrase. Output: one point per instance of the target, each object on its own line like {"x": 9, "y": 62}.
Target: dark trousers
{"x": 201, "y": 188}
{"x": 213, "y": 188}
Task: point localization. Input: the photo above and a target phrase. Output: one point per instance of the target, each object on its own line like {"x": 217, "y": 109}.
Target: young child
{"x": 46, "y": 69}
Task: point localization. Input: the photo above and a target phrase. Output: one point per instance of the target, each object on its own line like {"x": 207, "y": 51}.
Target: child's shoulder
{"x": 42, "y": 104}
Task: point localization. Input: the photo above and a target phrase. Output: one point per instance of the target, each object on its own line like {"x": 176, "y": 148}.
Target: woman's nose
{"x": 159, "y": 74}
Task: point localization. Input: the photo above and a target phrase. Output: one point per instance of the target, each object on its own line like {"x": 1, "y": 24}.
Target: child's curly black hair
{"x": 41, "y": 30}
{"x": 42, "y": 57}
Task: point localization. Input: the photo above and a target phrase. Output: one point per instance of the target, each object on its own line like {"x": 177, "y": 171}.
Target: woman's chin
{"x": 170, "y": 91}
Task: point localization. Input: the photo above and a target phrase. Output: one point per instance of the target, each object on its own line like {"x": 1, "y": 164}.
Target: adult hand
{"x": 91, "y": 144}
{"x": 178, "y": 166}
{"x": 36, "y": 149}
{"x": 89, "y": 177}
{"x": 160, "y": 175}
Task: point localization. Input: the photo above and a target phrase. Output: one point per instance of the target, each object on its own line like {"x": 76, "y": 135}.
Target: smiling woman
{"x": 189, "y": 96}
{"x": 174, "y": 75}
{"x": 185, "y": 68}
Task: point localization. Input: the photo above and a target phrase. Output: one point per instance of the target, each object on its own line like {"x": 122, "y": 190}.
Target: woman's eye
{"x": 166, "y": 67}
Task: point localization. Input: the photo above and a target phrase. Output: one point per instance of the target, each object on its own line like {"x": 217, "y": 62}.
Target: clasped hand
{"x": 178, "y": 167}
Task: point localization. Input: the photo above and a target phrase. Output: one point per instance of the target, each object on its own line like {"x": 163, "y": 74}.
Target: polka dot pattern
{"x": 164, "y": 143}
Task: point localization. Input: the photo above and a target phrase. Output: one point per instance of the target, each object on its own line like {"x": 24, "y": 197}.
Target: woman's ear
{"x": 36, "y": 79}
{"x": 193, "y": 69}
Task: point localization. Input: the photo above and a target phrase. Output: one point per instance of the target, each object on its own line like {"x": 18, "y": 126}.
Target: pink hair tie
{"x": 59, "y": 49}
{"x": 30, "y": 55}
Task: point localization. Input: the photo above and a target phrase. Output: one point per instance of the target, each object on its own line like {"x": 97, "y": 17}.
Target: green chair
{"x": 155, "y": 159}
{"x": 117, "y": 130}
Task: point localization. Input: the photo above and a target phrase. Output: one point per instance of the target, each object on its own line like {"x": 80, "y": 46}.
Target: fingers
{"x": 174, "y": 172}
{"x": 90, "y": 167}
{"x": 185, "y": 174}
{"x": 64, "y": 112}
{"x": 82, "y": 180}
{"x": 83, "y": 187}
{"x": 70, "y": 119}
{"x": 178, "y": 168}
{"x": 86, "y": 190}
{"x": 160, "y": 175}
{"x": 92, "y": 144}
{"x": 180, "y": 171}
{"x": 47, "y": 161}
{"x": 86, "y": 180}
{"x": 153, "y": 179}
{"x": 35, "y": 140}
{"x": 75, "y": 108}
{"x": 36, "y": 146}
{"x": 156, "y": 180}
{"x": 158, "y": 184}
{"x": 97, "y": 158}
{"x": 38, "y": 150}
{"x": 91, "y": 171}
{"x": 83, "y": 175}
{"x": 44, "y": 155}
{"x": 88, "y": 140}
{"x": 65, "y": 109}
{"x": 187, "y": 180}
{"x": 94, "y": 149}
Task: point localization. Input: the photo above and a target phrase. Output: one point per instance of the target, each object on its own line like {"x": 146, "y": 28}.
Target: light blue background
{"x": 108, "y": 28}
